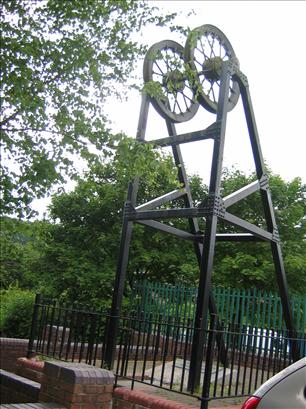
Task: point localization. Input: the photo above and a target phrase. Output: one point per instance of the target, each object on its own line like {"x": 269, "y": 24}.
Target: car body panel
{"x": 285, "y": 390}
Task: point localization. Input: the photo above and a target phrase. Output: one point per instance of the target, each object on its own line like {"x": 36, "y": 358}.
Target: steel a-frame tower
{"x": 206, "y": 72}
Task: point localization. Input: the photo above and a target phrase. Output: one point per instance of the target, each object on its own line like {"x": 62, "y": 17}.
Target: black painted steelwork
{"x": 33, "y": 330}
{"x": 230, "y": 81}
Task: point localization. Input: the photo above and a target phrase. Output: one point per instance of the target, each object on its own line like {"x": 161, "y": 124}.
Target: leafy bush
{"x": 16, "y": 312}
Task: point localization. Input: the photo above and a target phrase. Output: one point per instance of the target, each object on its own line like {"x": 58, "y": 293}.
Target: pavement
{"x": 227, "y": 407}
{"x": 230, "y": 403}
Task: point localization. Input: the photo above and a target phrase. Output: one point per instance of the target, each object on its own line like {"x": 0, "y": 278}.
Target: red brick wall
{"x": 30, "y": 369}
{"x": 76, "y": 386}
{"x": 80, "y": 386}
{"x": 10, "y": 350}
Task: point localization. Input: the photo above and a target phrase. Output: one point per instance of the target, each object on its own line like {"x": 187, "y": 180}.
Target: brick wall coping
{"x": 146, "y": 400}
{"x": 8, "y": 378}
{"x": 13, "y": 341}
{"x": 31, "y": 364}
{"x": 76, "y": 373}
{"x": 45, "y": 405}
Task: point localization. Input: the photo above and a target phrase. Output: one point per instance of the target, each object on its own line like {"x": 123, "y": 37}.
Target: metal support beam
{"x": 124, "y": 248}
{"x": 204, "y": 289}
{"x": 222, "y": 237}
{"x": 193, "y": 224}
{"x": 208, "y": 133}
{"x": 113, "y": 324}
{"x": 240, "y": 237}
{"x": 241, "y": 194}
{"x": 249, "y": 227}
{"x": 175, "y": 194}
{"x": 268, "y": 209}
{"x": 168, "y": 213}
{"x": 169, "y": 230}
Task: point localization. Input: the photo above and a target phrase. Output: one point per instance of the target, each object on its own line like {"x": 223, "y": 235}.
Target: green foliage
{"x": 16, "y": 312}
{"x": 21, "y": 245}
{"x": 154, "y": 90}
{"x": 79, "y": 261}
{"x": 59, "y": 63}
{"x": 74, "y": 258}
{"x": 248, "y": 265}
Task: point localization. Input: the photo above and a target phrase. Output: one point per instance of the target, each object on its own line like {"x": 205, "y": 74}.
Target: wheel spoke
{"x": 158, "y": 73}
{"x": 166, "y": 59}
{"x": 197, "y": 61}
{"x": 187, "y": 97}
{"x": 179, "y": 107}
{"x": 184, "y": 99}
{"x": 188, "y": 86}
{"x": 212, "y": 52}
{"x": 213, "y": 93}
{"x": 177, "y": 101}
{"x": 168, "y": 102}
{"x": 159, "y": 68}
{"x": 174, "y": 105}
{"x": 205, "y": 55}
{"x": 200, "y": 51}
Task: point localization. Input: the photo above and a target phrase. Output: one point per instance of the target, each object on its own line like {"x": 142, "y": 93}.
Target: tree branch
{"x": 31, "y": 129}
{"x": 9, "y": 118}
{"x": 44, "y": 130}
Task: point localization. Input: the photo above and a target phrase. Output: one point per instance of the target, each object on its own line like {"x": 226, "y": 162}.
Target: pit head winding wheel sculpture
{"x": 179, "y": 80}
{"x": 187, "y": 77}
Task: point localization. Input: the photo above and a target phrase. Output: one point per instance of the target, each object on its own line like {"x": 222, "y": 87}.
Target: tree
{"x": 78, "y": 252}
{"x": 250, "y": 264}
{"x": 80, "y": 258}
{"x": 22, "y": 244}
{"x": 59, "y": 63}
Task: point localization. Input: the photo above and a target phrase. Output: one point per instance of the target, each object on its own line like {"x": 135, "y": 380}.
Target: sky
{"x": 269, "y": 39}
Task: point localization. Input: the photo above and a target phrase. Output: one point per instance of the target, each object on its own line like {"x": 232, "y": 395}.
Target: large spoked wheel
{"x": 206, "y": 48}
{"x": 166, "y": 82}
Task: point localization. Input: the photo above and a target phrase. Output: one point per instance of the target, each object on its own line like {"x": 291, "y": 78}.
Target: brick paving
{"x": 192, "y": 402}
{"x": 47, "y": 405}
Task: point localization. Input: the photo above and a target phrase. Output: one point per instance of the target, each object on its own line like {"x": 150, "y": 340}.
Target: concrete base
{"x": 180, "y": 372}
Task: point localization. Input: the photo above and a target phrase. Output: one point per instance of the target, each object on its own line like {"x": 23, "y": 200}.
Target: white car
{"x": 285, "y": 390}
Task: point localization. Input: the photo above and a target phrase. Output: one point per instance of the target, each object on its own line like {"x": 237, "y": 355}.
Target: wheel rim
{"x": 166, "y": 82}
{"x": 206, "y": 48}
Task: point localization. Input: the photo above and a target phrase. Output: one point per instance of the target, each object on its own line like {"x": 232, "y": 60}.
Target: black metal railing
{"x": 156, "y": 351}
{"x": 160, "y": 356}
{"x": 67, "y": 333}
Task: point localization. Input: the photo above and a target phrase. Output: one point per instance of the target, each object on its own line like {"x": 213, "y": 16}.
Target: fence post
{"x": 33, "y": 325}
{"x": 209, "y": 362}
{"x": 92, "y": 337}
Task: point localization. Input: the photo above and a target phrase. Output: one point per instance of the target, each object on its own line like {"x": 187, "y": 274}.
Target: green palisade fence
{"x": 252, "y": 307}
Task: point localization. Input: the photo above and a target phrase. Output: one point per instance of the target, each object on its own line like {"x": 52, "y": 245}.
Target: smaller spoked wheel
{"x": 166, "y": 82}
{"x": 205, "y": 51}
